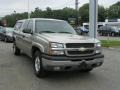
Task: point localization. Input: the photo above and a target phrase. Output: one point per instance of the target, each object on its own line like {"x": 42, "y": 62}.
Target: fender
{"x": 39, "y": 46}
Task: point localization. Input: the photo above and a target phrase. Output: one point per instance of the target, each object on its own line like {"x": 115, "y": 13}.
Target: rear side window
{"x": 18, "y": 25}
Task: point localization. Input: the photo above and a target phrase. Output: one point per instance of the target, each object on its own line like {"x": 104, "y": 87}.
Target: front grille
{"x": 76, "y": 49}
{"x": 80, "y": 52}
{"x": 79, "y": 45}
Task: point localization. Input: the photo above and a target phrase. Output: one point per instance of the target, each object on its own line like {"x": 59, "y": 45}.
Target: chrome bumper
{"x": 73, "y": 65}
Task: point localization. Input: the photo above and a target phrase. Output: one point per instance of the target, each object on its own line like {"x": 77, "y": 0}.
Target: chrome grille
{"x": 79, "y": 49}
{"x": 78, "y": 45}
{"x": 80, "y": 52}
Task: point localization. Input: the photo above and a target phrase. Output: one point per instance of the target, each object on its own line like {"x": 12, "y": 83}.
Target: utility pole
{"x": 93, "y": 18}
{"x": 15, "y": 15}
{"x": 77, "y": 10}
{"x": 28, "y": 9}
{"x": 76, "y": 4}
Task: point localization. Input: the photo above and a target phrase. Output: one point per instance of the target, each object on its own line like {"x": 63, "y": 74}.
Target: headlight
{"x": 57, "y": 45}
{"x": 55, "y": 52}
{"x": 98, "y": 44}
{"x": 98, "y": 47}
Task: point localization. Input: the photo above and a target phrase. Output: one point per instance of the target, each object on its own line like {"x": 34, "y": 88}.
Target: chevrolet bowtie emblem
{"x": 82, "y": 49}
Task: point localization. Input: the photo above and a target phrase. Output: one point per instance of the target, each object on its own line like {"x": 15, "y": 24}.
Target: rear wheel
{"x": 113, "y": 34}
{"x": 102, "y": 33}
{"x": 16, "y": 50}
{"x": 38, "y": 67}
{"x": 6, "y": 40}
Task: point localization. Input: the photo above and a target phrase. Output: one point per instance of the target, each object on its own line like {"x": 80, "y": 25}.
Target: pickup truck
{"x": 54, "y": 45}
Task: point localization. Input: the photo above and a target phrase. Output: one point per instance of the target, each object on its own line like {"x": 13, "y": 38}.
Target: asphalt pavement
{"x": 16, "y": 73}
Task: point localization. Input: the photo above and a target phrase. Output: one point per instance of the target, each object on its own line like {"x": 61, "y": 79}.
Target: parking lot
{"x": 108, "y": 38}
{"x": 16, "y": 73}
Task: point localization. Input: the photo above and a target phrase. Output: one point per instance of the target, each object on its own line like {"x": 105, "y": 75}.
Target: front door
{"x": 27, "y": 38}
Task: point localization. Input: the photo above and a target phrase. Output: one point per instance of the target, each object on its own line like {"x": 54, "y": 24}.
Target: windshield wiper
{"x": 46, "y": 32}
{"x": 65, "y": 32}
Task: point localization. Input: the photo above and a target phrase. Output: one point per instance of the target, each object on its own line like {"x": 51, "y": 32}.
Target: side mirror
{"x": 29, "y": 31}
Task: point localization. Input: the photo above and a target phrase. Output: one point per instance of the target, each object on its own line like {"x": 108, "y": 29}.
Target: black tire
{"x": 16, "y": 50}
{"x": 87, "y": 70}
{"x": 113, "y": 34}
{"x": 102, "y": 34}
{"x": 6, "y": 40}
{"x": 38, "y": 67}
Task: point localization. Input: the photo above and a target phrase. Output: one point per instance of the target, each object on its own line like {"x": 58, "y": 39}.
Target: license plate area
{"x": 83, "y": 65}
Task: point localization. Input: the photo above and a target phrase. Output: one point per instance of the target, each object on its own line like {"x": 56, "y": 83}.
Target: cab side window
{"x": 25, "y": 25}
{"x": 28, "y": 27}
{"x": 18, "y": 26}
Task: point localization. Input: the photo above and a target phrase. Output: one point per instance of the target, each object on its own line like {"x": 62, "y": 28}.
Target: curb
{"x": 113, "y": 48}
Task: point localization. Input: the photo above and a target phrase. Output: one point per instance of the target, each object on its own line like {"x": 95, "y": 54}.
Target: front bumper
{"x": 9, "y": 38}
{"x": 64, "y": 63}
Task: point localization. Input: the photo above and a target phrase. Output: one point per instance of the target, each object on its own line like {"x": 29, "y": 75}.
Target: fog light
{"x": 56, "y": 68}
{"x": 57, "y": 52}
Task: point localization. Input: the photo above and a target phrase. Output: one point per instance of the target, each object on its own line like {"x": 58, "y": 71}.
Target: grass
{"x": 110, "y": 43}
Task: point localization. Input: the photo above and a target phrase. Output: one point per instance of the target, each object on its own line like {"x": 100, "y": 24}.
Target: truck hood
{"x": 67, "y": 38}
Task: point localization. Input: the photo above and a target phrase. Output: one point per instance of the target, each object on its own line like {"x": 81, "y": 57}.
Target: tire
{"x": 87, "y": 70}
{"x": 6, "y": 40}
{"x": 38, "y": 67}
{"x": 16, "y": 50}
{"x": 3, "y": 38}
{"x": 102, "y": 34}
{"x": 113, "y": 34}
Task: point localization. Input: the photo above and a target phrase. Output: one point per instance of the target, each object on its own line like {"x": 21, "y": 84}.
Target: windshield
{"x": 47, "y": 26}
{"x": 9, "y": 30}
{"x": 115, "y": 28}
{"x": 1, "y": 29}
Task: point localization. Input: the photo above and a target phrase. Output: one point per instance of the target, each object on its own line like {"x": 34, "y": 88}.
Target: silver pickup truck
{"x": 55, "y": 46}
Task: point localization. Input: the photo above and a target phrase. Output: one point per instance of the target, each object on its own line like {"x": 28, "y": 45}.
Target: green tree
{"x": 84, "y": 13}
{"x": 114, "y": 11}
{"x": 101, "y": 14}
{"x": 66, "y": 13}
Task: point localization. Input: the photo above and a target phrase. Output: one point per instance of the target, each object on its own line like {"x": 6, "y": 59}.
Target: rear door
{"x": 22, "y": 35}
{"x": 16, "y": 33}
{"x": 3, "y": 33}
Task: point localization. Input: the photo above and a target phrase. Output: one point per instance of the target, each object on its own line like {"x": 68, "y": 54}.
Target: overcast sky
{"x": 8, "y": 6}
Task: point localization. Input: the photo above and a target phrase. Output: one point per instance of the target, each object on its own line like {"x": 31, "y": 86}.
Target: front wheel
{"x": 6, "y": 40}
{"x": 38, "y": 67}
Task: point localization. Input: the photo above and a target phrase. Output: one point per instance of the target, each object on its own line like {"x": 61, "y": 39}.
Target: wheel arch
{"x": 36, "y": 47}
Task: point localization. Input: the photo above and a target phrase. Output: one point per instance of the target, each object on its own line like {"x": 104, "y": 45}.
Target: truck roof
{"x": 48, "y": 19}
